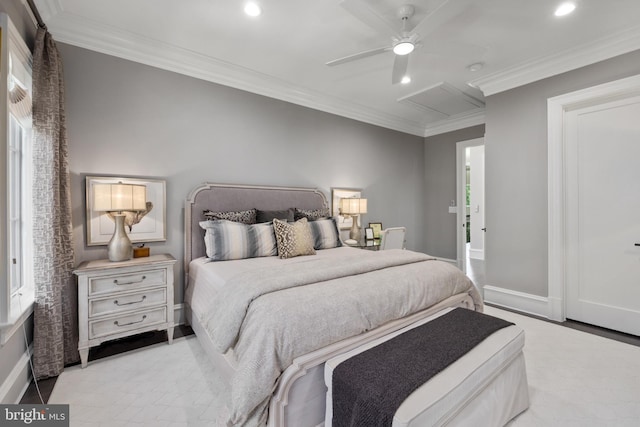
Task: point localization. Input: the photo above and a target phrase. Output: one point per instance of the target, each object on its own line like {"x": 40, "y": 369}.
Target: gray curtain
{"x": 55, "y": 335}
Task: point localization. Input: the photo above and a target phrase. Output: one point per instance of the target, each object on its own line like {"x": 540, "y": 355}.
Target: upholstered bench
{"x": 486, "y": 386}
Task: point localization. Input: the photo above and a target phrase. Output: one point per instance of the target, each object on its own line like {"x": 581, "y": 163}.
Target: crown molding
{"x": 474, "y": 118}
{"x": 48, "y": 9}
{"x": 77, "y": 31}
{"x": 588, "y": 53}
{"x": 105, "y": 39}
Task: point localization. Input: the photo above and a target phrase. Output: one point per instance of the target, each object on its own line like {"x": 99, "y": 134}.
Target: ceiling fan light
{"x": 252, "y": 9}
{"x": 403, "y": 48}
{"x": 565, "y": 9}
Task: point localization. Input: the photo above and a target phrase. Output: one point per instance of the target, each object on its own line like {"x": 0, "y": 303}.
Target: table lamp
{"x": 118, "y": 198}
{"x": 353, "y": 207}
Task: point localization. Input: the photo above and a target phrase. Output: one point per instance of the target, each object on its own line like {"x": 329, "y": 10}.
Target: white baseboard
{"x": 476, "y": 254}
{"x": 178, "y": 314}
{"x": 556, "y": 309}
{"x": 18, "y": 380}
{"x": 520, "y": 301}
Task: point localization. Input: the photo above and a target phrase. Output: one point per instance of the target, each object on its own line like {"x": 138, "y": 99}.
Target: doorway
{"x": 470, "y": 209}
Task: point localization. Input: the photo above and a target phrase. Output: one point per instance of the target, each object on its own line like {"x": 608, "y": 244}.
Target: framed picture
{"x": 342, "y": 193}
{"x": 368, "y": 233}
{"x": 377, "y": 228}
{"x": 146, "y": 226}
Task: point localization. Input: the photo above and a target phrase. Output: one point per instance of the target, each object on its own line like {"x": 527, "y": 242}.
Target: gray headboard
{"x": 228, "y": 197}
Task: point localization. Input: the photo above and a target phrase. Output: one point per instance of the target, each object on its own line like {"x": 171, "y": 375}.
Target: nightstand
{"x": 372, "y": 245}
{"x": 119, "y": 299}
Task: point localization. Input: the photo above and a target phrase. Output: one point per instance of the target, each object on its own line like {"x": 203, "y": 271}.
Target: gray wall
{"x": 516, "y": 173}
{"x": 129, "y": 119}
{"x": 440, "y": 189}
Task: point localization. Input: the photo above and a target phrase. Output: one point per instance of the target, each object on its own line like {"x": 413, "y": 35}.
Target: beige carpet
{"x": 160, "y": 385}
{"x": 575, "y": 379}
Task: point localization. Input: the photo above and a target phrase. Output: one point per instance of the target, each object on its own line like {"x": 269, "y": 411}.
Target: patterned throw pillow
{"x": 325, "y": 234}
{"x": 227, "y": 240}
{"x": 311, "y": 214}
{"x": 244, "y": 217}
{"x": 293, "y": 239}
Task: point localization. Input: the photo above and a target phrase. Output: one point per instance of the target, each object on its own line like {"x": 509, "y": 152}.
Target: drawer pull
{"x": 144, "y": 297}
{"x": 130, "y": 283}
{"x": 130, "y": 323}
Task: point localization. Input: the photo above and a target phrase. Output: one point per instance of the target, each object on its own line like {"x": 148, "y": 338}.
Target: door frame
{"x": 557, "y": 108}
{"x": 461, "y": 179}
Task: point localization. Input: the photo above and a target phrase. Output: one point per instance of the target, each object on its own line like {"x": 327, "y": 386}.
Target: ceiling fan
{"x": 404, "y": 41}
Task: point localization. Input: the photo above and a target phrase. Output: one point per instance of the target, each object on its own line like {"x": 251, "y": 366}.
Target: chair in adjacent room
{"x": 392, "y": 238}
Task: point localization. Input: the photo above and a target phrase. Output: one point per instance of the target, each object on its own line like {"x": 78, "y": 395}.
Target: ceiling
{"x": 282, "y": 53}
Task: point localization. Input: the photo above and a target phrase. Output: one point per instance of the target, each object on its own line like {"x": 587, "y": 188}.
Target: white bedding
{"x": 359, "y": 303}
{"x": 206, "y": 278}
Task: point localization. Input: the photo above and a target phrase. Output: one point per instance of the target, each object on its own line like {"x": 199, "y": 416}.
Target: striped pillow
{"x": 226, "y": 240}
{"x": 325, "y": 234}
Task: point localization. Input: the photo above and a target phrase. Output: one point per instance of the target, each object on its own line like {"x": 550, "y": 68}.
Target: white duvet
{"x": 270, "y": 311}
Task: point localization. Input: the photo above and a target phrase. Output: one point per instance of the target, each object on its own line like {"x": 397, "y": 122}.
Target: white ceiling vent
{"x": 442, "y": 100}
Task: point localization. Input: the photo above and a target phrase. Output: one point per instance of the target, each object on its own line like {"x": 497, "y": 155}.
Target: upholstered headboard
{"x": 228, "y": 197}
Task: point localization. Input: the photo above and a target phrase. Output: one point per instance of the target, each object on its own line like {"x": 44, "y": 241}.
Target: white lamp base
{"x": 119, "y": 248}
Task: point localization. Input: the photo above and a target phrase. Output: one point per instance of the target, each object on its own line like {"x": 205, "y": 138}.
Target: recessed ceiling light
{"x": 405, "y": 80}
{"x": 565, "y": 9}
{"x": 475, "y": 67}
{"x": 252, "y": 9}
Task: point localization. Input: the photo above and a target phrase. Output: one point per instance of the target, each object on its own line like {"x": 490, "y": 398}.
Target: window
{"x": 16, "y": 284}
{"x": 16, "y": 140}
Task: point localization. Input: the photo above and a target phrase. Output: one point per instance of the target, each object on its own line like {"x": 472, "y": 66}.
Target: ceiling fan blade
{"x": 400, "y": 65}
{"x": 441, "y": 15}
{"x": 361, "y": 10}
{"x": 452, "y": 49}
{"x": 356, "y": 56}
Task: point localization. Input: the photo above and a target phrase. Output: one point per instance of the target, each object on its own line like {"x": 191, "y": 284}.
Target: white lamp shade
{"x": 119, "y": 197}
{"x": 353, "y": 206}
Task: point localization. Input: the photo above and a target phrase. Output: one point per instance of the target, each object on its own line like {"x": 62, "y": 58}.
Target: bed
{"x": 255, "y": 326}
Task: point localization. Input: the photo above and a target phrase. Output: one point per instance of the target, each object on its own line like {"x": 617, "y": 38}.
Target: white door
{"x": 461, "y": 200}
{"x": 603, "y": 215}
{"x": 476, "y": 202}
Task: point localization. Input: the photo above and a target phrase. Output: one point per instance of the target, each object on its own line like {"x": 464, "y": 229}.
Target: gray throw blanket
{"x": 270, "y": 317}
{"x": 369, "y": 387}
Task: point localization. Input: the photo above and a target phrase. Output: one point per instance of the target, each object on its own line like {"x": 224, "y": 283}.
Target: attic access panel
{"x": 442, "y": 100}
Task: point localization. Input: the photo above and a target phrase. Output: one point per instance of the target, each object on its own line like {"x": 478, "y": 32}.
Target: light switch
{"x": 453, "y": 209}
